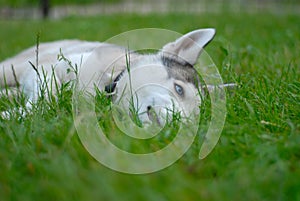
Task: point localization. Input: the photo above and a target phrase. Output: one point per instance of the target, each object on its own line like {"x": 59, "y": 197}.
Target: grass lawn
{"x": 258, "y": 154}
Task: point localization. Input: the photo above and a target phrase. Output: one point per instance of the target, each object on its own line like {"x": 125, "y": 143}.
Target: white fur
{"x": 99, "y": 64}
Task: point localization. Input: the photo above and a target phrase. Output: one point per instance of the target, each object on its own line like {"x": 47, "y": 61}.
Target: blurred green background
{"x": 56, "y": 9}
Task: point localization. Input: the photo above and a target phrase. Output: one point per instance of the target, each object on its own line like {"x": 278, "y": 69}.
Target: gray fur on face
{"x": 181, "y": 70}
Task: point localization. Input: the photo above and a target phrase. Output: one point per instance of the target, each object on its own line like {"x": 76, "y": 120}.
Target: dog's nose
{"x": 149, "y": 107}
{"x": 153, "y": 117}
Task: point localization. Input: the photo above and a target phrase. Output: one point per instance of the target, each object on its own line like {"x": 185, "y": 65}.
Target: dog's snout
{"x": 149, "y": 107}
{"x": 152, "y": 115}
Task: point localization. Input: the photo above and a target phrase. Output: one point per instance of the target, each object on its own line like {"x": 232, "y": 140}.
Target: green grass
{"x": 257, "y": 157}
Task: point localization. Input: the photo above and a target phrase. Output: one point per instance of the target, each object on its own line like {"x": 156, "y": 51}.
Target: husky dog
{"x": 156, "y": 83}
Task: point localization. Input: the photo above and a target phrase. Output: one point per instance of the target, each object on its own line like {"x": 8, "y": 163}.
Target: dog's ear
{"x": 189, "y": 46}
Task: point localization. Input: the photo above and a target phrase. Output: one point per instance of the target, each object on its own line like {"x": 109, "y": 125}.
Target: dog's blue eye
{"x": 179, "y": 89}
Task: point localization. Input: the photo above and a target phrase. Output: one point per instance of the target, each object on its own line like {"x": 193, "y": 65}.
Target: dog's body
{"x": 45, "y": 58}
{"x": 158, "y": 82}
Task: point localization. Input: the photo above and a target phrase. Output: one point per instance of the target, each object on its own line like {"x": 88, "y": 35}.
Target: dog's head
{"x": 156, "y": 86}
